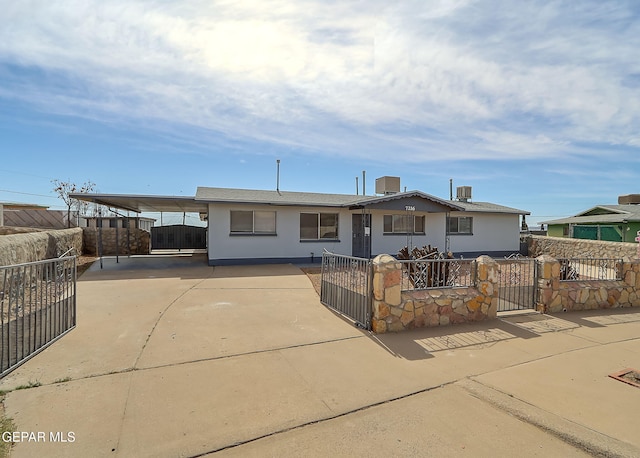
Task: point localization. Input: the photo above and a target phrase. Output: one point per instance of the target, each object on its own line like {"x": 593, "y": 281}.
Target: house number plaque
{"x": 410, "y": 208}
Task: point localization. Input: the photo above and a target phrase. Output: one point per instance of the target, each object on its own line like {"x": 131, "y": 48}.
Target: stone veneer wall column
{"x": 563, "y": 296}
{"x": 396, "y": 310}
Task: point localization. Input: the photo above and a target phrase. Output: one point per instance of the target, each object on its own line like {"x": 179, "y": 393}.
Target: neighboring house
{"x": 615, "y": 223}
{"x": 135, "y": 222}
{"x": 254, "y": 226}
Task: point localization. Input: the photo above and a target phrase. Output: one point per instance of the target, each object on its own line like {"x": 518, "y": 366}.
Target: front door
{"x": 361, "y": 236}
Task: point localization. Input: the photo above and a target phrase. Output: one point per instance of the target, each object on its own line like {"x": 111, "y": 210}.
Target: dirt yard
{"x": 314, "y": 275}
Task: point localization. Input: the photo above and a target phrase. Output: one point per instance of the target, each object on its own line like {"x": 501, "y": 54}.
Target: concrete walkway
{"x": 177, "y": 358}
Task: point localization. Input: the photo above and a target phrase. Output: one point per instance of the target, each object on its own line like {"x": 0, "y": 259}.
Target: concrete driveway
{"x": 176, "y": 358}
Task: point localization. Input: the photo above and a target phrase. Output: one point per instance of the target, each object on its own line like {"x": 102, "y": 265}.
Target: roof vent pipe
{"x": 364, "y": 190}
{"x": 278, "y": 176}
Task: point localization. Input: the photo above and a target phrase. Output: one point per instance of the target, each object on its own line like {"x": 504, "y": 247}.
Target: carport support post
{"x": 117, "y": 240}
{"x": 100, "y": 236}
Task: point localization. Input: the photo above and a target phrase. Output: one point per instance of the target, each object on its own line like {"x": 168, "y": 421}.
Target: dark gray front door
{"x": 361, "y": 241}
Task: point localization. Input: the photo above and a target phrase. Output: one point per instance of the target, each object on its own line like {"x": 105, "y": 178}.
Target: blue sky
{"x": 536, "y": 105}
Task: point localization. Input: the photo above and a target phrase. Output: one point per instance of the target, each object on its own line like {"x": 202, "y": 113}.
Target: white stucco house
{"x": 261, "y": 226}
{"x": 272, "y": 226}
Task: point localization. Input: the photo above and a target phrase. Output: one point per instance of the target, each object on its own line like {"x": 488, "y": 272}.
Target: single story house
{"x": 614, "y": 223}
{"x": 261, "y": 226}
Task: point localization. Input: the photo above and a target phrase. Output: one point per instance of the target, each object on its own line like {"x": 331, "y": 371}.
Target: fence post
{"x": 487, "y": 275}
{"x": 549, "y": 299}
{"x": 387, "y": 291}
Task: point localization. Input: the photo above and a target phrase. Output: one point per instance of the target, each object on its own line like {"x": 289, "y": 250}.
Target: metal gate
{"x": 346, "y": 285}
{"x": 517, "y": 284}
{"x": 37, "y": 307}
{"x": 178, "y": 237}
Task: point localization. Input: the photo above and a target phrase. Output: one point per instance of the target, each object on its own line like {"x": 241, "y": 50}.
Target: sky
{"x": 534, "y": 104}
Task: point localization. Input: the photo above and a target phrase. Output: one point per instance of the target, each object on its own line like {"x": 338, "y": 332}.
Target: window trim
{"x": 253, "y": 232}
{"x": 319, "y": 226}
{"x": 424, "y": 225}
{"x": 449, "y": 232}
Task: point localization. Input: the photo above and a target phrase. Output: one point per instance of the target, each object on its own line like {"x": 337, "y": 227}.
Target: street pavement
{"x": 173, "y": 358}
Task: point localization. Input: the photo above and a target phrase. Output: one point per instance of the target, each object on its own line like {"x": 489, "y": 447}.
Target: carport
{"x": 171, "y": 237}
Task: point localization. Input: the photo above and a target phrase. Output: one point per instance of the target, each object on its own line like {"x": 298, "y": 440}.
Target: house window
{"x": 460, "y": 225}
{"x": 113, "y": 222}
{"x": 253, "y": 222}
{"x": 318, "y": 226}
{"x": 403, "y": 224}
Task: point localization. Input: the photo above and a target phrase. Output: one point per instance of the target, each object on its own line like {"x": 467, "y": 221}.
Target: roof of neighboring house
{"x": 610, "y": 214}
{"x": 228, "y": 195}
{"x": 21, "y": 206}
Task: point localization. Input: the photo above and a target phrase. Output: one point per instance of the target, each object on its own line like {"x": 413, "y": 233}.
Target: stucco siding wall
{"x": 286, "y": 244}
{"x": 491, "y": 233}
{"x": 391, "y": 243}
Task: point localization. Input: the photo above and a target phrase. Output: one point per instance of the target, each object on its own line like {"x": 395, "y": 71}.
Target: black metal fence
{"x": 346, "y": 286}
{"x": 37, "y": 307}
{"x": 438, "y": 273}
{"x": 576, "y": 269}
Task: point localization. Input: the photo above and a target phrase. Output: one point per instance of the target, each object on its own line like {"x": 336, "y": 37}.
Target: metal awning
{"x": 145, "y": 203}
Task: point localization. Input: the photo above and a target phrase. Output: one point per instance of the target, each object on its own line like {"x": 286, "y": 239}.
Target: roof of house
{"x": 228, "y": 195}
{"x": 610, "y": 214}
{"x": 488, "y": 207}
{"x": 206, "y": 195}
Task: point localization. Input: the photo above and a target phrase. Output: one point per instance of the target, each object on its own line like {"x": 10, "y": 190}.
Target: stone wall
{"x": 561, "y": 247}
{"x": 37, "y": 246}
{"x": 138, "y": 241}
{"x": 396, "y": 310}
{"x": 564, "y": 296}
{"x": 8, "y": 230}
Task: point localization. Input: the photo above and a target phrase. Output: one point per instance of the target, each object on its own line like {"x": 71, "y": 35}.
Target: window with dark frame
{"x": 460, "y": 225}
{"x": 252, "y": 222}
{"x": 403, "y": 224}
{"x": 318, "y": 226}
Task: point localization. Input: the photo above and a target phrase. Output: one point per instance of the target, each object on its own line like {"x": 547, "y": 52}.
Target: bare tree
{"x": 65, "y": 188}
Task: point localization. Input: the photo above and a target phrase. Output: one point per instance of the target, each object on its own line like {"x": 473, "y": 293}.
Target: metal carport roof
{"x": 145, "y": 203}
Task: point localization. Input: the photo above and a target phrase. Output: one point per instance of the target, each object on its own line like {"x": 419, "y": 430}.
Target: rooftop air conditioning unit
{"x": 463, "y": 193}
{"x": 387, "y": 185}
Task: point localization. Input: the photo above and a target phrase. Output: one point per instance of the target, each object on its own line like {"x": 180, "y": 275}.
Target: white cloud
{"x": 474, "y": 79}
